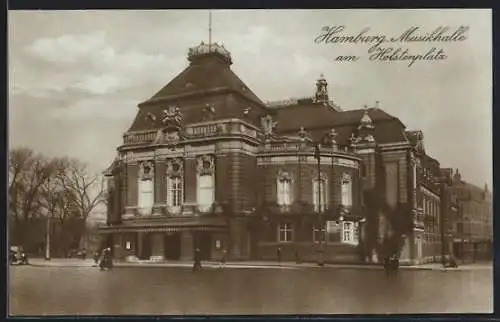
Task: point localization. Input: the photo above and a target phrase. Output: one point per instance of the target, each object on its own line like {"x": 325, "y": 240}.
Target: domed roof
{"x": 203, "y": 49}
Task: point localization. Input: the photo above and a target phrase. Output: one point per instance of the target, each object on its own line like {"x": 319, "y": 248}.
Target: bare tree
{"x": 28, "y": 172}
{"x": 84, "y": 190}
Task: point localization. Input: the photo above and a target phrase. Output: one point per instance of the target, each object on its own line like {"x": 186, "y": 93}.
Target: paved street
{"x": 70, "y": 290}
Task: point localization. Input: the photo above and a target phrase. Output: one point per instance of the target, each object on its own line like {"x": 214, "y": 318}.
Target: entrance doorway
{"x": 146, "y": 247}
{"x": 172, "y": 246}
{"x": 203, "y": 241}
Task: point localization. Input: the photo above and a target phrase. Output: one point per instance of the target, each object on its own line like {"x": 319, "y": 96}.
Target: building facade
{"x": 473, "y": 226}
{"x": 207, "y": 165}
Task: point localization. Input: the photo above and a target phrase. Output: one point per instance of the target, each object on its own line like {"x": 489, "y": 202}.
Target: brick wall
{"x": 399, "y": 158}
{"x": 236, "y": 180}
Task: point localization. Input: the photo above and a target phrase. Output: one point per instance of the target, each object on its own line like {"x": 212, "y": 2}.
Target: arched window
{"x": 284, "y": 189}
{"x": 346, "y": 190}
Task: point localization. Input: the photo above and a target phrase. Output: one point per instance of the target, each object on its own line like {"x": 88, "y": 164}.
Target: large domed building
{"x": 207, "y": 165}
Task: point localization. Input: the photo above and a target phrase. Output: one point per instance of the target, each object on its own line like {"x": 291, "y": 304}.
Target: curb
{"x": 256, "y": 266}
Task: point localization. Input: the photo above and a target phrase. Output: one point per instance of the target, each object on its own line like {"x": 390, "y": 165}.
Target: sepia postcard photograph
{"x": 249, "y": 162}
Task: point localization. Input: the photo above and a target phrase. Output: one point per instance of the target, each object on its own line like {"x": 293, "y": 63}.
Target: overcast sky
{"x": 76, "y": 77}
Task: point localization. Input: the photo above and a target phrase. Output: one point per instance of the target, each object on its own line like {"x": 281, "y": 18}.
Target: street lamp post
{"x": 47, "y": 230}
{"x": 322, "y": 235}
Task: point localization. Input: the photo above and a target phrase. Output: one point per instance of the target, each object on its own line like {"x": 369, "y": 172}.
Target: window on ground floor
{"x": 349, "y": 233}
{"x": 319, "y": 233}
{"x": 285, "y": 232}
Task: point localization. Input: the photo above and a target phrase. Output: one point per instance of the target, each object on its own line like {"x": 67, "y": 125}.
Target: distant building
{"x": 473, "y": 231}
{"x": 449, "y": 212}
{"x": 206, "y": 164}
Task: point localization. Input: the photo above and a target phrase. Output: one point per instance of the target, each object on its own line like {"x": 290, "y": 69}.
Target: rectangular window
{"x": 174, "y": 193}
{"x": 319, "y": 233}
{"x": 346, "y": 190}
{"x": 146, "y": 196}
{"x": 319, "y": 197}
{"x": 284, "y": 192}
{"x": 349, "y": 233}
{"x": 205, "y": 192}
{"x": 285, "y": 232}
{"x": 392, "y": 183}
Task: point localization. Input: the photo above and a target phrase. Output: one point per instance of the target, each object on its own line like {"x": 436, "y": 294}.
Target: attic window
{"x": 243, "y": 88}
{"x": 189, "y": 84}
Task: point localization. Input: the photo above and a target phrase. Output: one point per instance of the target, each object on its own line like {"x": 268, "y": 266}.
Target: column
{"x": 187, "y": 245}
{"x": 234, "y": 239}
{"x": 157, "y": 247}
{"x": 140, "y": 239}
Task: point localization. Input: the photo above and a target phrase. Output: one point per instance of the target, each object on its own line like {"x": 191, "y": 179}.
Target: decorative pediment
{"x": 146, "y": 170}
{"x": 205, "y": 164}
{"x": 303, "y": 133}
{"x": 416, "y": 139}
{"x": 209, "y": 112}
{"x": 172, "y": 116}
{"x": 346, "y": 178}
{"x": 150, "y": 116}
{"x": 167, "y": 136}
{"x": 284, "y": 176}
{"x": 333, "y": 136}
{"x": 366, "y": 121}
{"x": 322, "y": 176}
{"x": 174, "y": 167}
{"x": 246, "y": 111}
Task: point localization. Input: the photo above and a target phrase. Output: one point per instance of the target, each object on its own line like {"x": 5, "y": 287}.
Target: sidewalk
{"x": 60, "y": 262}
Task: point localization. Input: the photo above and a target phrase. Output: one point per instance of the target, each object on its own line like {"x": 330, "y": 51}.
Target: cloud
{"x": 100, "y": 84}
{"x": 84, "y": 85}
{"x": 91, "y": 65}
{"x": 67, "y": 48}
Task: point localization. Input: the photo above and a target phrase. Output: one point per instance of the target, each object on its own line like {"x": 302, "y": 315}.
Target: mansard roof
{"x": 318, "y": 119}
{"x": 210, "y": 73}
{"x": 208, "y": 79}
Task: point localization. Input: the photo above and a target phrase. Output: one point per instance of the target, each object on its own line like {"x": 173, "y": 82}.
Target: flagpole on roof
{"x": 209, "y": 28}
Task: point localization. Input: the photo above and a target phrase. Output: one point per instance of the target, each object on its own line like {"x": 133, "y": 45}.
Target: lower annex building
{"x": 207, "y": 164}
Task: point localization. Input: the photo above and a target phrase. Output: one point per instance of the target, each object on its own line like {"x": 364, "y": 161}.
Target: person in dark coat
{"x": 96, "y": 257}
{"x": 278, "y": 254}
{"x": 223, "y": 259}
{"x": 197, "y": 260}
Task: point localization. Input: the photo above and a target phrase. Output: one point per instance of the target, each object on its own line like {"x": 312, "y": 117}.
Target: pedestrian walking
{"x": 278, "y": 254}
{"x": 222, "y": 262}
{"x": 197, "y": 260}
{"x": 102, "y": 259}
{"x": 97, "y": 255}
